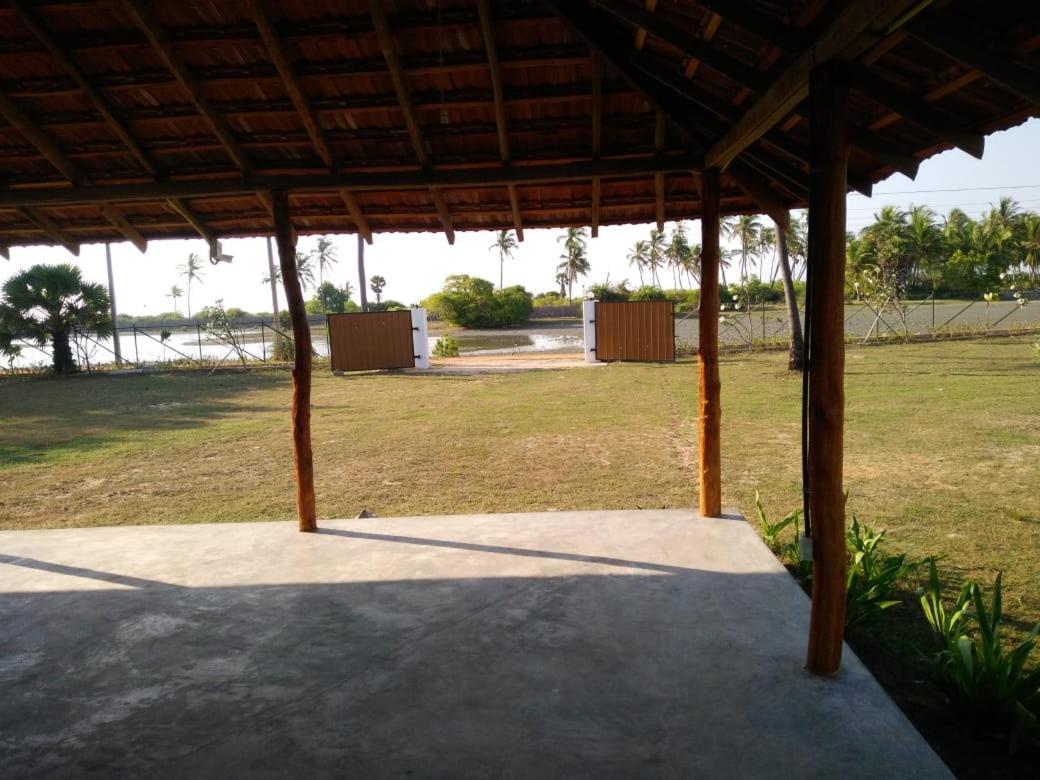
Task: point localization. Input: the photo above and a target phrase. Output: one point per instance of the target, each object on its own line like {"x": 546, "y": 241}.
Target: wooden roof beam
{"x": 640, "y": 39}
{"x": 659, "y": 138}
{"x": 140, "y": 11}
{"x": 918, "y": 111}
{"x": 791, "y": 87}
{"x": 1000, "y": 68}
{"x": 744, "y": 15}
{"x": 181, "y": 207}
{"x": 404, "y": 100}
{"x": 597, "y": 139}
{"x": 356, "y": 214}
{"x": 397, "y": 181}
{"x": 495, "y": 73}
{"x": 38, "y": 138}
{"x": 50, "y": 227}
{"x": 122, "y": 224}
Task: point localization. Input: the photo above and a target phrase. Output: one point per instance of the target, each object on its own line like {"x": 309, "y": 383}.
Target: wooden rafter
{"x": 659, "y": 135}
{"x": 38, "y": 138}
{"x": 404, "y": 100}
{"x": 1024, "y": 81}
{"x": 141, "y": 12}
{"x": 640, "y": 39}
{"x": 122, "y": 224}
{"x": 597, "y": 139}
{"x": 119, "y": 128}
{"x": 308, "y": 117}
{"x": 791, "y": 87}
{"x": 495, "y": 72}
{"x": 50, "y": 227}
{"x": 399, "y": 181}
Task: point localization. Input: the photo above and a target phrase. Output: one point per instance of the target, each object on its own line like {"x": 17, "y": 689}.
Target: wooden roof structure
{"x": 133, "y": 120}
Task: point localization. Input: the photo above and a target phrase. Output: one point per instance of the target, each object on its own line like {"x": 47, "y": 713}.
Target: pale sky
{"x": 415, "y": 265}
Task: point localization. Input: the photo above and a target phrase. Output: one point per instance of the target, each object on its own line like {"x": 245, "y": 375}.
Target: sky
{"x": 415, "y": 265}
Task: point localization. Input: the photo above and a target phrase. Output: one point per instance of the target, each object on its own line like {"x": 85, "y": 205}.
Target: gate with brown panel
{"x": 363, "y": 342}
{"x": 635, "y": 330}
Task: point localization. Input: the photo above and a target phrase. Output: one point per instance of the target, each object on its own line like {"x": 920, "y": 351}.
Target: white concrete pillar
{"x": 420, "y": 338}
{"x": 588, "y": 316}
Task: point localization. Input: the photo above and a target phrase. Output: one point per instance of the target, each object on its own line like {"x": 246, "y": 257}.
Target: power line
{"x": 961, "y": 189}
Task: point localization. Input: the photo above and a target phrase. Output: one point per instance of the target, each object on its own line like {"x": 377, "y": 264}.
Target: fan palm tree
{"x": 637, "y": 257}
{"x": 326, "y": 256}
{"x": 575, "y": 261}
{"x": 47, "y": 303}
{"x": 175, "y": 293}
{"x": 505, "y": 243}
{"x": 192, "y": 272}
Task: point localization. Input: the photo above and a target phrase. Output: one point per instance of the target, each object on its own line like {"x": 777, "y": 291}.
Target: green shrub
{"x": 550, "y": 299}
{"x": 608, "y": 292}
{"x": 979, "y": 679}
{"x": 647, "y": 293}
{"x": 446, "y": 346}
{"x": 475, "y": 303}
{"x": 388, "y": 305}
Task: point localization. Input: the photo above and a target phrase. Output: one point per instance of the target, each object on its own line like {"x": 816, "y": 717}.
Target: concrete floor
{"x": 579, "y": 644}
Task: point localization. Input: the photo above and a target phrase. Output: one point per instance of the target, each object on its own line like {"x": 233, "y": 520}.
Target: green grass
{"x": 942, "y": 449}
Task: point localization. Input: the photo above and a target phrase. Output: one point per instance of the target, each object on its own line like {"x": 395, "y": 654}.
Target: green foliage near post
{"x": 981, "y": 680}
{"x": 471, "y": 302}
{"x": 446, "y": 346}
{"x": 45, "y": 304}
{"x": 329, "y": 299}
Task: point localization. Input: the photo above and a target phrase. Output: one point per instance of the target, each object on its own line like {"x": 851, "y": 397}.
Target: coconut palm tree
{"x": 377, "y": 285}
{"x": 1031, "y": 245}
{"x": 677, "y": 252}
{"x": 747, "y": 230}
{"x": 305, "y": 269}
{"x": 48, "y": 303}
{"x": 795, "y": 351}
{"x": 655, "y": 256}
{"x": 175, "y": 293}
{"x": 325, "y": 254}
{"x": 191, "y": 271}
{"x": 923, "y": 239}
{"x": 505, "y": 243}
{"x": 637, "y": 256}
{"x": 691, "y": 264}
{"x": 575, "y": 261}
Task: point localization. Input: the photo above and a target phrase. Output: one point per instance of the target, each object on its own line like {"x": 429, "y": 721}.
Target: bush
{"x": 329, "y": 299}
{"x": 389, "y": 305}
{"x": 446, "y": 346}
{"x": 475, "y": 303}
{"x": 684, "y": 300}
{"x": 608, "y": 292}
{"x": 979, "y": 679}
{"x": 550, "y": 299}
{"x": 647, "y": 293}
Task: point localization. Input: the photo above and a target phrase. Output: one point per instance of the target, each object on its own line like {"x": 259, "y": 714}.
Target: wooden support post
{"x": 301, "y": 373}
{"x": 829, "y": 151}
{"x": 709, "y": 438}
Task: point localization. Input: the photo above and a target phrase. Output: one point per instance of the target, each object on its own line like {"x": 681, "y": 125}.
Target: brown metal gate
{"x": 362, "y": 342}
{"x": 635, "y": 330}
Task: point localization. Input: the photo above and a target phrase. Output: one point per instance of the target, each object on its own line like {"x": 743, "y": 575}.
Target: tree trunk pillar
{"x": 301, "y": 373}
{"x": 794, "y": 354}
{"x": 709, "y": 437}
{"x": 362, "y": 281}
{"x": 828, "y": 152}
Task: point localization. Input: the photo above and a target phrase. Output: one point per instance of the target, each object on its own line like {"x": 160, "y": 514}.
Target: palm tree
{"x": 575, "y": 261}
{"x": 767, "y": 244}
{"x": 794, "y": 355}
{"x": 747, "y": 230}
{"x": 637, "y": 256}
{"x": 923, "y": 238}
{"x": 192, "y": 271}
{"x": 1031, "y": 245}
{"x": 677, "y": 252}
{"x": 305, "y": 269}
{"x": 175, "y": 293}
{"x": 691, "y": 264}
{"x": 47, "y": 303}
{"x": 326, "y": 256}
{"x": 505, "y": 243}
{"x": 655, "y": 256}
{"x": 377, "y": 283}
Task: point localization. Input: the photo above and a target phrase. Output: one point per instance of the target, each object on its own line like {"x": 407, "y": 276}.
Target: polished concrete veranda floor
{"x": 580, "y": 644}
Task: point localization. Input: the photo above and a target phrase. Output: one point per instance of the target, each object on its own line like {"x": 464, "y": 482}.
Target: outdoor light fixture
{"x": 216, "y": 254}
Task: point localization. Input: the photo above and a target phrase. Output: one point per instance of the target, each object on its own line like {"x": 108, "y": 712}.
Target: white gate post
{"x": 420, "y": 338}
{"x": 588, "y": 316}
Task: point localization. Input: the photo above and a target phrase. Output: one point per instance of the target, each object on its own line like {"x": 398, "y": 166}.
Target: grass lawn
{"x": 942, "y": 449}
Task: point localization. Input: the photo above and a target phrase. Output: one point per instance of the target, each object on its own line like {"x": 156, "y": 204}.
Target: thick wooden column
{"x": 301, "y": 373}
{"x": 828, "y": 91}
{"x": 709, "y": 436}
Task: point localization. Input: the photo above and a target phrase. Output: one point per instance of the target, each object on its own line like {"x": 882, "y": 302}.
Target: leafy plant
{"x": 446, "y": 346}
{"x": 872, "y": 576}
{"x": 979, "y": 679}
{"x": 771, "y": 529}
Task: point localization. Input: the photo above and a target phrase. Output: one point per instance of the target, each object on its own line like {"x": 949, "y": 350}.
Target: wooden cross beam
{"x": 404, "y": 100}
{"x": 495, "y": 72}
{"x": 50, "y": 227}
{"x": 791, "y": 87}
